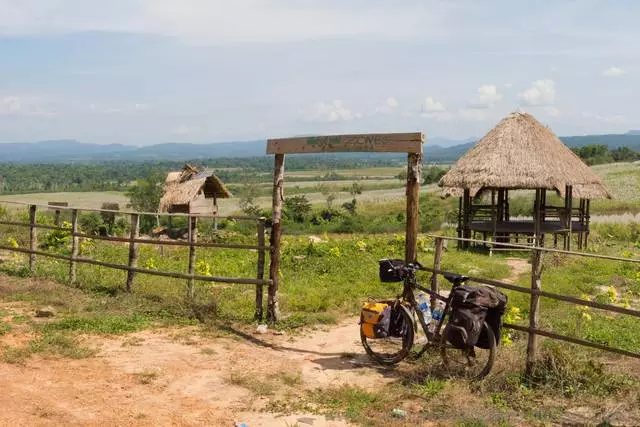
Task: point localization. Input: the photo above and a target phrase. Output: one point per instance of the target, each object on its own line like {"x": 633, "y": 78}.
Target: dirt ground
{"x": 180, "y": 377}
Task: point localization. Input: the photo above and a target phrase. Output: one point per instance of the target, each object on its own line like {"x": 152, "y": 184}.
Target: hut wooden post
{"x": 75, "y": 246}
{"x": 133, "y": 250}
{"x": 273, "y": 311}
{"x": 260, "y": 275}
{"x": 33, "y": 238}
{"x": 437, "y": 258}
{"x": 413, "y": 203}
{"x": 193, "y": 238}
{"x": 507, "y": 215}
{"x": 536, "y": 271}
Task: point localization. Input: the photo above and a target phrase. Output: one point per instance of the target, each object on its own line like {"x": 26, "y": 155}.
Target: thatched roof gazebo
{"x": 522, "y": 154}
{"x": 183, "y": 190}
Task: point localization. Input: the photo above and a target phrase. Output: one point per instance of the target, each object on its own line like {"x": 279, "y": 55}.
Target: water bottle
{"x": 423, "y": 305}
{"x": 438, "y": 311}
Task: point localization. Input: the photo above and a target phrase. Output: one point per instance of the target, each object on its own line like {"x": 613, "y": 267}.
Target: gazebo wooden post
{"x": 273, "y": 311}
{"x": 569, "y": 204}
{"x": 414, "y": 161}
{"x": 507, "y": 214}
{"x": 587, "y": 219}
{"x": 466, "y": 219}
{"x": 460, "y": 215}
{"x": 494, "y": 220}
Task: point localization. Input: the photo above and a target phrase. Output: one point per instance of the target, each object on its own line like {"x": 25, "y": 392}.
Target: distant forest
{"x": 597, "y": 154}
{"x": 121, "y": 175}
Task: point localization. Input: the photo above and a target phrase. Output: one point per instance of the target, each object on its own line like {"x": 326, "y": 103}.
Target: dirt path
{"x": 180, "y": 377}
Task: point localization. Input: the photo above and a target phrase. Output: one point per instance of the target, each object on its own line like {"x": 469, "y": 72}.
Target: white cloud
{"x": 390, "y": 106}
{"x": 184, "y": 130}
{"x": 613, "y": 72}
{"x": 23, "y": 106}
{"x": 392, "y": 102}
{"x": 487, "y": 97}
{"x": 508, "y": 85}
{"x": 334, "y": 111}
{"x": 541, "y": 93}
{"x": 552, "y": 111}
{"x": 132, "y": 108}
{"x": 430, "y": 105}
{"x": 222, "y": 22}
{"x": 473, "y": 114}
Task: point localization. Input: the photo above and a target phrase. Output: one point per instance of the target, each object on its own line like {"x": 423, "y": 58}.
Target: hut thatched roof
{"x": 521, "y": 153}
{"x": 180, "y": 188}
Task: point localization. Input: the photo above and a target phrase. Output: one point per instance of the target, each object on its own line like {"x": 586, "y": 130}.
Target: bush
{"x": 91, "y": 223}
{"x": 297, "y": 208}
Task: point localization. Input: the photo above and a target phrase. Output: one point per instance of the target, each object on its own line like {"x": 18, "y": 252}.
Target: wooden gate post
{"x": 75, "y": 246}
{"x": 33, "y": 238}
{"x": 414, "y": 161}
{"x": 536, "y": 271}
{"x": 436, "y": 265}
{"x": 193, "y": 238}
{"x": 133, "y": 250}
{"x": 260, "y": 275}
{"x": 273, "y": 311}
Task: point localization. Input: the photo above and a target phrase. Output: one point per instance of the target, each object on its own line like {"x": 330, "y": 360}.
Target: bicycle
{"x": 473, "y": 363}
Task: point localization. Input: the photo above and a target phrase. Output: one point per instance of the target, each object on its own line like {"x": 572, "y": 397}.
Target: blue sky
{"x": 150, "y": 71}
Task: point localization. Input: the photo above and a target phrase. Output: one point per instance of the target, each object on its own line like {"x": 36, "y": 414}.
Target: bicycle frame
{"x": 410, "y": 283}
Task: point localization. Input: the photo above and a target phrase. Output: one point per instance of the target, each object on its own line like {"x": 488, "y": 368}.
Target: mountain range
{"x": 71, "y": 151}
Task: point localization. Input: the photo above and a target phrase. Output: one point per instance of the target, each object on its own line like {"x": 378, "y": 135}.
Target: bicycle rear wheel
{"x": 391, "y": 350}
{"x": 474, "y": 363}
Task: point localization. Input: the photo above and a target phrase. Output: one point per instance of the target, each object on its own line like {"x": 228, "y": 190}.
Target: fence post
{"x": 260, "y": 275}
{"x": 74, "y": 246}
{"x": 536, "y": 271}
{"x": 33, "y": 238}
{"x": 133, "y": 249}
{"x": 193, "y": 237}
{"x": 436, "y": 265}
{"x": 273, "y": 312}
{"x": 414, "y": 162}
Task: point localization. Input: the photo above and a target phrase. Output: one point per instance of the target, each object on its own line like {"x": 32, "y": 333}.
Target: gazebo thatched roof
{"x": 521, "y": 153}
{"x": 180, "y": 188}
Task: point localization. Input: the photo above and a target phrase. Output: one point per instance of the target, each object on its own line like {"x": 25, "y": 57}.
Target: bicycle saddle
{"x": 456, "y": 279}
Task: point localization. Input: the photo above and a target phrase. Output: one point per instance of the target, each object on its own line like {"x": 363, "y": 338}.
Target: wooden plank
{"x": 238, "y": 280}
{"x": 260, "y": 274}
{"x": 133, "y": 250}
{"x": 572, "y": 340}
{"x": 33, "y": 238}
{"x": 193, "y": 237}
{"x": 75, "y": 246}
{"x": 273, "y": 311}
{"x": 374, "y": 142}
{"x": 414, "y": 164}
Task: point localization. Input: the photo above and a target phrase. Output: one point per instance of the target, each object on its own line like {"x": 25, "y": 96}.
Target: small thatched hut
{"x": 522, "y": 154}
{"x": 190, "y": 191}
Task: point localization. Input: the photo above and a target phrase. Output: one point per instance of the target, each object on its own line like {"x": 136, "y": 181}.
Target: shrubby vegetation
{"x": 598, "y": 154}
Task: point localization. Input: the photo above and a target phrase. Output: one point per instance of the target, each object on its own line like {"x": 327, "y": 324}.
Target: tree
{"x": 145, "y": 196}
{"x": 248, "y": 195}
{"x": 328, "y": 193}
{"x": 297, "y": 207}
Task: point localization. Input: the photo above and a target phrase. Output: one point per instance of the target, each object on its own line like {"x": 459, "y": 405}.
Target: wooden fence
{"x": 134, "y": 240}
{"x": 535, "y": 292}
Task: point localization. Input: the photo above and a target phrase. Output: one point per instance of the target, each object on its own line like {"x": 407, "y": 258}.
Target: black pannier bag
{"x": 391, "y": 270}
{"x": 398, "y": 325}
{"x": 471, "y": 307}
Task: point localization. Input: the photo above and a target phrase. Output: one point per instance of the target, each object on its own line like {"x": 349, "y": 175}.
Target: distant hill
{"x": 71, "y": 151}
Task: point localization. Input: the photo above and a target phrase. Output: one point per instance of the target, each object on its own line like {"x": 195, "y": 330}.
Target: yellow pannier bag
{"x": 375, "y": 318}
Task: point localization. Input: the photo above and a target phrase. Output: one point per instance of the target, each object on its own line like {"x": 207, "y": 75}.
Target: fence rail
{"x": 535, "y": 292}
{"x": 134, "y": 240}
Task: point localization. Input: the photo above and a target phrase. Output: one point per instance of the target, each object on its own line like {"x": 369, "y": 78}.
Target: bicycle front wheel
{"x": 472, "y": 363}
{"x": 393, "y": 349}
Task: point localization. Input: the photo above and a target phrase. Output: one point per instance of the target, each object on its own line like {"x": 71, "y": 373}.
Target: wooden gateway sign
{"x": 374, "y": 142}
{"x": 410, "y": 143}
